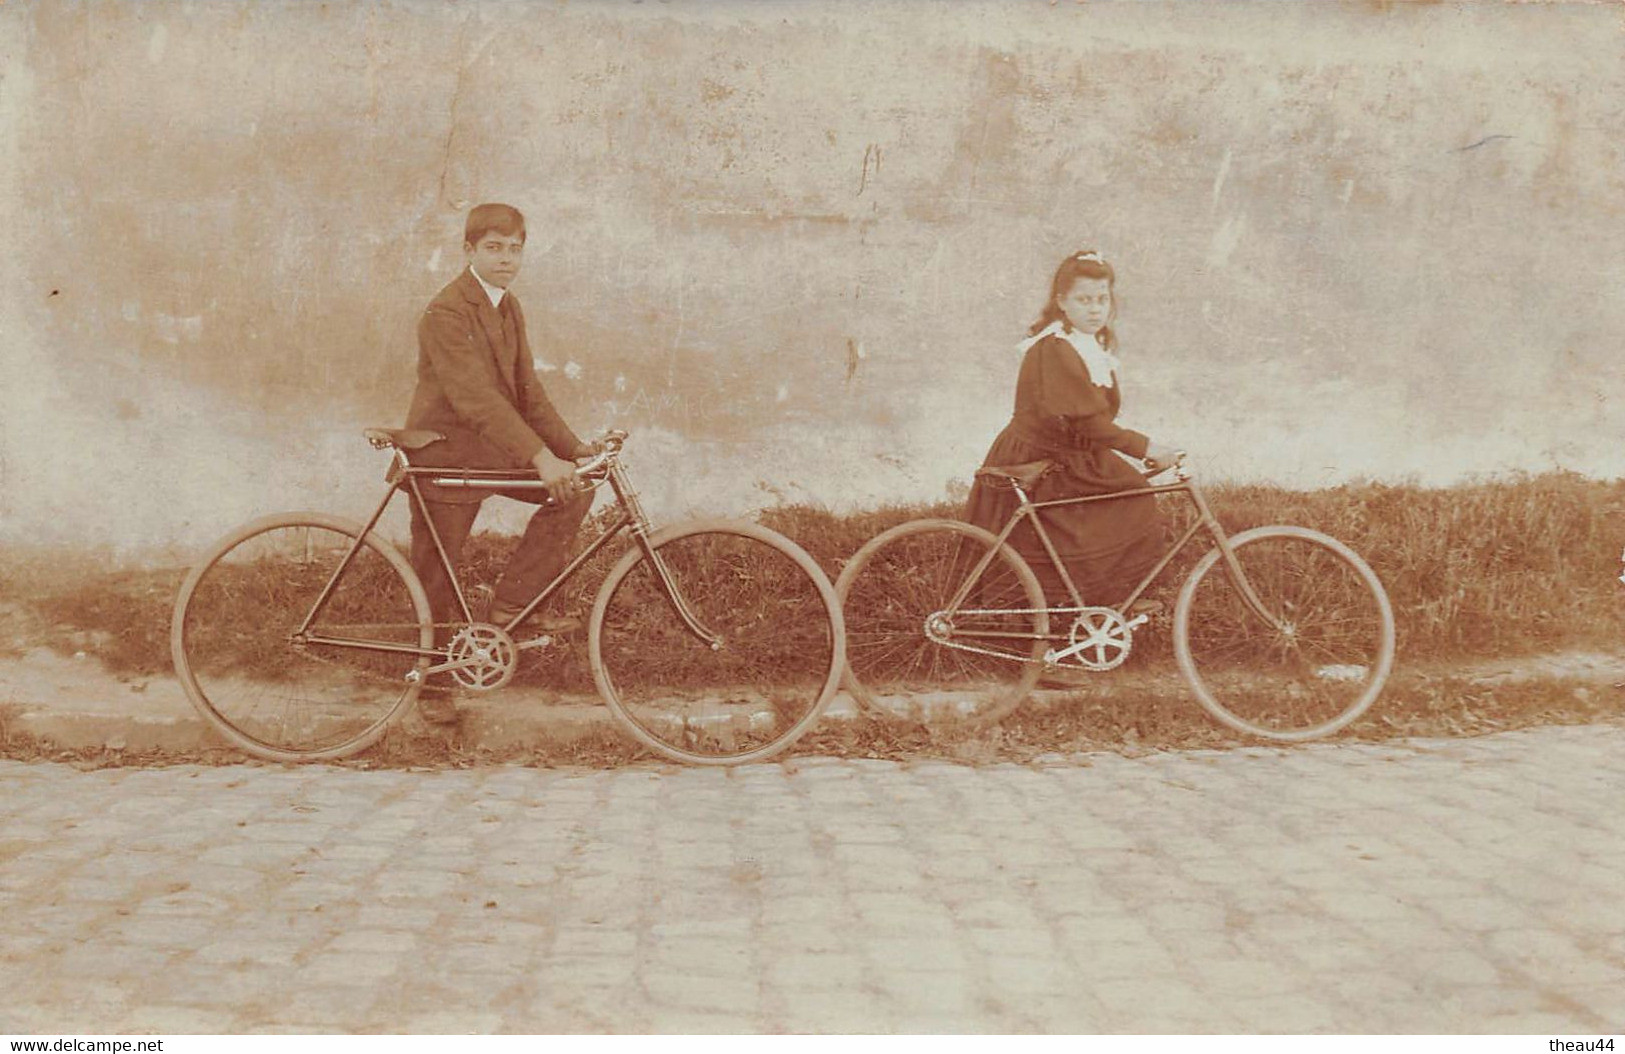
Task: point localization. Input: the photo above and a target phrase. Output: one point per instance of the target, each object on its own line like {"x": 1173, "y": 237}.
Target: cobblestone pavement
{"x": 1470, "y": 885}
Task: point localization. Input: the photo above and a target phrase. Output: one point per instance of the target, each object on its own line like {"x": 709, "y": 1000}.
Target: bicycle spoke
{"x": 774, "y": 665}
{"x": 909, "y": 577}
{"x": 237, "y": 649}
{"x": 1316, "y": 671}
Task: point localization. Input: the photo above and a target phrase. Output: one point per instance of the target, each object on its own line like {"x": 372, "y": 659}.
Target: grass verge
{"x": 1500, "y": 569}
{"x": 1057, "y": 725}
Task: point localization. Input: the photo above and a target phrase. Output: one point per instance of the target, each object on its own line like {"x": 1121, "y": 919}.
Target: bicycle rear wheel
{"x": 1316, "y": 665}
{"x": 767, "y": 664}
{"x": 234, "y": 638}
{"x": 907, "y": 652}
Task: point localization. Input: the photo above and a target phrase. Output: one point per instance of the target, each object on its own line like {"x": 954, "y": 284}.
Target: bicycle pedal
{"x": 543, "y": 641}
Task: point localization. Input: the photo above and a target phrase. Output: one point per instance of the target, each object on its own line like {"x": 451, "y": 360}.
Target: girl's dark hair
{"x": 1086, "y": 264}
{"x": 483, "y": 219}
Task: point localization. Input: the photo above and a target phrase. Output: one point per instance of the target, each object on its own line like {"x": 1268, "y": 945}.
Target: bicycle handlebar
{"x": 594, "y": 467}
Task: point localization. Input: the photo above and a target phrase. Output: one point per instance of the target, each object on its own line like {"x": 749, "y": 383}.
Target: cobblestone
{"x": 1446, "y": 886}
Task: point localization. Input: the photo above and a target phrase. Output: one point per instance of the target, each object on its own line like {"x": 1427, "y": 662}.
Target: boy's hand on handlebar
{"x": 559, "y": 488}
{"x": 587, "y": 450}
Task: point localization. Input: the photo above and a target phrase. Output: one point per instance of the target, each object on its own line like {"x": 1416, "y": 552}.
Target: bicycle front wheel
{"x": 286, "y": 697}
{"x": 911, "y": 647}
{"x": 1315, "y": 663}
{"x": 723, "y": 648}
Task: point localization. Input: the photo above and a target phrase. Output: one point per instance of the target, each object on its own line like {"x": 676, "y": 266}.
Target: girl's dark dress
{"x": 1063, "y": 416}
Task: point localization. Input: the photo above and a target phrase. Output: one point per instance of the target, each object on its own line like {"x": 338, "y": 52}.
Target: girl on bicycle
{"x": 1067, "y": 399}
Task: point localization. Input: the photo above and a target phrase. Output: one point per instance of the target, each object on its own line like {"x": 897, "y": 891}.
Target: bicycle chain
{"x": 441, "y": 654}
{"x": 305, "y": 649}
{"x": 985, "y": 611}
{"x": 1004, "y": 611}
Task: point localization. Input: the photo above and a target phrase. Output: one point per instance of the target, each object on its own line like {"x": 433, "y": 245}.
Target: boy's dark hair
{"x": 483, "y": 219}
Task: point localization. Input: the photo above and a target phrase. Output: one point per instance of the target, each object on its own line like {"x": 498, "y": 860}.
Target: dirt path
{"x": 56, "y": 696}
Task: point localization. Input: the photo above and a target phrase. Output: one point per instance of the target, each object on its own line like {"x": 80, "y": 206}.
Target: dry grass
{"x": 1512, "y": 567}
{"x": 1509, "y": 567}
{"x": 1500, "y": 569}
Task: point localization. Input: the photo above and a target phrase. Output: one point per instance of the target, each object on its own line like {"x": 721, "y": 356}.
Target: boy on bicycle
{"x": 477, "y": 386}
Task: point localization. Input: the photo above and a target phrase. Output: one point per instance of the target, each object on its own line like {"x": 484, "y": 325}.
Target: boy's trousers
{"x": 538, "y": 557}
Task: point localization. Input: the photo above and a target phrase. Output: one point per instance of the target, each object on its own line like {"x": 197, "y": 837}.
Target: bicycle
{"x": 304, "y": 637}
{"x": 1282, "y": 632}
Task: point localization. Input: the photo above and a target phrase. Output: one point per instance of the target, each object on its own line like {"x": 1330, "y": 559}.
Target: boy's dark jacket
{"x": 477, "y": 385}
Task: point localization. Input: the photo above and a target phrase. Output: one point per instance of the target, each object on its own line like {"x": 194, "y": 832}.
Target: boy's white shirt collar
{"x": 1100, "y": 362}
{"x": 494, "y": 292}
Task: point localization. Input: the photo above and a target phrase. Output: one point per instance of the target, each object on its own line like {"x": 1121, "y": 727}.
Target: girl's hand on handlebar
{"x": 1158, "y": 457}
{"x": 587, "y": 450}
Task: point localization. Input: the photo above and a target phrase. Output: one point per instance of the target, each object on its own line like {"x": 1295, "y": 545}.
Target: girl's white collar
{"x": 1101, "y": 364}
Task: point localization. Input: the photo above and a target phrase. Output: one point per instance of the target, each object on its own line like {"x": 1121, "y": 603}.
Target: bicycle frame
{"x": 408, "y": 477}
{"x": 1027, "y": 509}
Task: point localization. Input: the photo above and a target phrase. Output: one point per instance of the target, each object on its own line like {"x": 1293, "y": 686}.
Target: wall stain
{"x": 1481, "y": 142}
{"x": 871, "y": 154}
{"x": 288, "y": 198}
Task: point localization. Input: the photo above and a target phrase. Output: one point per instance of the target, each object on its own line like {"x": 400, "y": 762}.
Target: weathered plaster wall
{"x": 792, "y": 245}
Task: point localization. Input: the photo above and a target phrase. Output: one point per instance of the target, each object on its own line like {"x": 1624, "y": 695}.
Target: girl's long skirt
{"x": 1107, "y": 546}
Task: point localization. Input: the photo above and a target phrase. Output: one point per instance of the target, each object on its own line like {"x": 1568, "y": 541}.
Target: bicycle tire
{"x": 780, "y": 658}
{"x": 1308, "y": 678}
{"x": 899, "y": 578}
{"x": 234, "y": 618}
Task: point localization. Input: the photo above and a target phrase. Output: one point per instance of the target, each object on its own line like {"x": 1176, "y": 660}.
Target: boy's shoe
{"x": 484, "y": 606}
{"x": 1144, "y": 606}
{"x": 437, "y": 708}
{"x": 557, "y": 625}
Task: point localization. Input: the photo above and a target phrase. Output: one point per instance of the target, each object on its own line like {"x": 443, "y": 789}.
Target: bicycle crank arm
{"x": 414, "y": 676}
{"x": 1055, "y": 657}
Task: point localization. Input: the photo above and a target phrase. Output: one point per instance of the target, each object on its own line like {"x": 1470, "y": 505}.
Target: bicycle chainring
{"x": 490, "y": 653}
{"x": 1100, "y": 640}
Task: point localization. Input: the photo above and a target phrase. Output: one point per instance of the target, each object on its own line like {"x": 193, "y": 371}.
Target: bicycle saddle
{"x": 403, "y": 438}
{"x": 1023, "y": 475}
